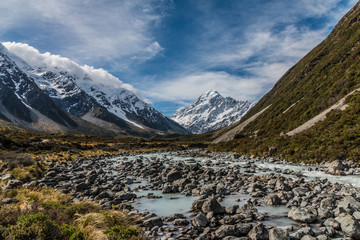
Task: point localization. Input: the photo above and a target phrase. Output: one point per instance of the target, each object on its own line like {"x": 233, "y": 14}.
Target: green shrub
{"x": 70, "y": 232}
{"x": 51, "y": 204}
{"x": 122, "y": 233}
{"x": 34, "y": 226}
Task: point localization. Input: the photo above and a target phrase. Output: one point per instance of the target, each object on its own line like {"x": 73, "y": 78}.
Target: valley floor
{"x": 87, "y": 187}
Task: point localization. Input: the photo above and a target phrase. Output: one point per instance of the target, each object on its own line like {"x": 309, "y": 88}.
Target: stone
{"x": 126, "y": 196}
{"x": 259, "y": 232}
{"x": 244, "y": 228}
{"x": 180, "y": 222}
{"x": 7, "y": 176}
{"x": 173, "y": 175}
{"x": 13, "y": 184}
{"x": 322, "y": 237}
{"x": 181, "y": 182}
{"x": 335, "y": 168}
{"x": 308, "y": 237}
{"x": 81, "y": 187}
{"x": 9, "y": 200}
{"x": 212, "y": 205}
{"x": 356, "y": 215}
{"x": 349, "y": 202}
{"x": 330, "y": 222}
{"x": 232, "y": 209}
{"x": 200, "y": 220}
{"x": 153, "y": 222}
{"x": 299, "y": 234}
{"x": 226, "y": 230}
{"x": 349, "y": 225}
{"x": 272, "y": 200}
{"x": 300, "y": 215}
{"x": 278, "y": 233}
{"x": 324, "y": 213}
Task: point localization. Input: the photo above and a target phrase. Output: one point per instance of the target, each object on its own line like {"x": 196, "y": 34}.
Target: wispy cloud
{"x": 92, "y": 32}
{"x": 247, "y": 60}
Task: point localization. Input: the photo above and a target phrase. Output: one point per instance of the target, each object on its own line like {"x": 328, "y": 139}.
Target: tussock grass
{"x": 41, "y": 209}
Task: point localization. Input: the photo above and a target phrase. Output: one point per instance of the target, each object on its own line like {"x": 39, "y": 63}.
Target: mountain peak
{"x": 210, "y": 94}
{"x": 210, "y": 111}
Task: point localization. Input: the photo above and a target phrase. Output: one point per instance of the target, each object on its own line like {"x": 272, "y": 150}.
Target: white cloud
{"x": 262, "y": 52}
{"x": 92, "y": 32}
{"x": 57, "y": 63}
{"x": 189, "y": 87}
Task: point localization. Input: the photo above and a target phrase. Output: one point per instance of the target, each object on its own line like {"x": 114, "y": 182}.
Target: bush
{"x": 34, "y": 226}
{"x": 122, "y": 233}
{"x": 70, "y": 232}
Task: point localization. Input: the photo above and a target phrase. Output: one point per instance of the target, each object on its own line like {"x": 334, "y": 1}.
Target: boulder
{"x": 153, "y": 222}
{"x": 244, "y": 228}
{"x": 305, "y": 231}
{"x": 212, "y": 205}
{"x": 272, "y": 200}
{"x": 349, "y": 225}
{"x": 300, "y": 215}
{"x": 226, "y": 230}
{"x": 278, "y": 233}
{"x": 200, "y": 220}
{"x": 173, "y": 175}
{"x": 349, "y": 202}
{"x": 335, "y": 168}
{"x": 259, "y": 232}
{"x": 180, "y": 222}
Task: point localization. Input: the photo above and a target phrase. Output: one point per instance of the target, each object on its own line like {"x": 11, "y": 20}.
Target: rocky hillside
{"x": 211, "y": 111}
{"x": 313, "y": 111}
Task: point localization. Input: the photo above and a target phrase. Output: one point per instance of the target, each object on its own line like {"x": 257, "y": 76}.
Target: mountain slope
{"x": 91, "y": 94}
{"x": 21, "y": 99}
{"x": 315, "y": 85}
{"x": 210, "y": 111}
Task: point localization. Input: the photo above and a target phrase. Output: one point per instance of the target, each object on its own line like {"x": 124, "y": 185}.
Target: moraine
{"x": 217, "y": 196}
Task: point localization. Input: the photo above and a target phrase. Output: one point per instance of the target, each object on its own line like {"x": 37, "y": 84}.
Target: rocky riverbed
{"x": 200, "y": 195}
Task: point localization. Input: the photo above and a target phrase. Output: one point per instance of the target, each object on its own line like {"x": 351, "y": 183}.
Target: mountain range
{"x": 313, "y": 112}
{"x": 62, "y": 96}
{"x": 211, "y": 111}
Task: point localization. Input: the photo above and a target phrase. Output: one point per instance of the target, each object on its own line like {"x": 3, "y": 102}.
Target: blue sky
{"x": 173, "y": 51}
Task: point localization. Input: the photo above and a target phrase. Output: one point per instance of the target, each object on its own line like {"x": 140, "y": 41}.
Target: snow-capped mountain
{"x": 211, "y": 111}
{"x": 91, "y": 94}
{"x": 23, "y": 102}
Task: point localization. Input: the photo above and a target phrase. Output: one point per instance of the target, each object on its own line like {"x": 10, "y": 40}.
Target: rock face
{"x": 211, "y": 111}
